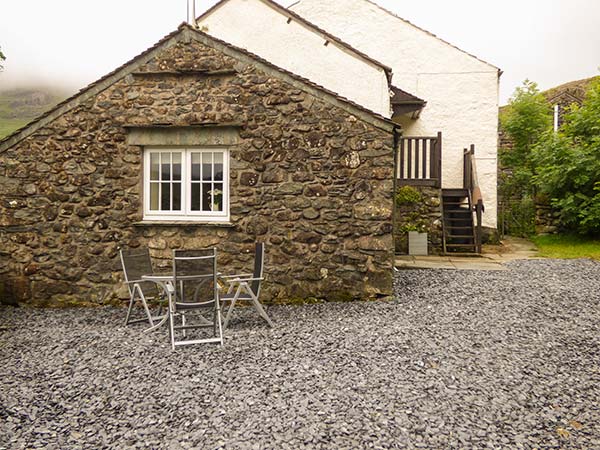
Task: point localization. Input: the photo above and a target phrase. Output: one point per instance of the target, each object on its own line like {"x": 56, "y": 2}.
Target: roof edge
{"x": 388, "y": 70}
{"x": 408, "y": 97}
{"x": 91, "y": 89}
{"x": 128, "y": 67}
{"x": 500, "y": 71}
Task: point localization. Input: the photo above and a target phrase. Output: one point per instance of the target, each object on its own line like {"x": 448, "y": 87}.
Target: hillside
{"x": 19, "y": 106}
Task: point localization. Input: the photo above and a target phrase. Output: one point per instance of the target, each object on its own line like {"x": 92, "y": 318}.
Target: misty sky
{"x": 74, "y": 42}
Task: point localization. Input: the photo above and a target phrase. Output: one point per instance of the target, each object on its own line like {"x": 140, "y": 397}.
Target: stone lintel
{"x": 148, "y": 135}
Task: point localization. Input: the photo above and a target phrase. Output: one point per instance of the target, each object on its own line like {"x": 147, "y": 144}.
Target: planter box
{"x": 417, "y": 243}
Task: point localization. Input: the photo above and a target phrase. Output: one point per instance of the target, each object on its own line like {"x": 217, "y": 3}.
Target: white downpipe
{"x": 556, "y": 114}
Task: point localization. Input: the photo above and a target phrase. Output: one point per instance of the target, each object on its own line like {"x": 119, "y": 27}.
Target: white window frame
{"x": 186, "y": 214}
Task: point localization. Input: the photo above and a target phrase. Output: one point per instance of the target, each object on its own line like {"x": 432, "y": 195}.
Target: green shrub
{"x": 568, "y": 166}
{"x": 408, "y": 195}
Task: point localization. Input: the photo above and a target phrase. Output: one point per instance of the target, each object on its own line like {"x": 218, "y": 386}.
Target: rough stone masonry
{"x": 310, "y": 175}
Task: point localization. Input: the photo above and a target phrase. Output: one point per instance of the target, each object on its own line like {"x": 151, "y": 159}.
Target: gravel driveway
{"x": 459, "y": 360}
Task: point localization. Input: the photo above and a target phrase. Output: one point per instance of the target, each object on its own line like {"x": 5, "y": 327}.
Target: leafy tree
{"x": 525, "y": 120}
{"x": 568, "y": 166}
{"x": 2, "y": 58}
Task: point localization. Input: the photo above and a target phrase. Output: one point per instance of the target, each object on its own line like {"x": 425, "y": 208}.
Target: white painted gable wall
{"x": 461, "y": 91}
{"x": 261, "y": 29}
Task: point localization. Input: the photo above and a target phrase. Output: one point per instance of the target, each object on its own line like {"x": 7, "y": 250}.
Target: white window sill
{"x": 182, "y": 223}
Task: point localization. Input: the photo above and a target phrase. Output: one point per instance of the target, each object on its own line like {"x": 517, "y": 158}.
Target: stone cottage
{"x": 197, "y": 143}
{"x": 300, "y": 136}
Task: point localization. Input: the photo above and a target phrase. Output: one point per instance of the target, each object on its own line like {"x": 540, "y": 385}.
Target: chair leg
{"x": 172, "y": 330}
{"x": 260, "y": 309}
{"x": 145, "y": 304}
{"x": 137, "y": 291}
{"x": 219, "y": 326}
{"x": 170, "y": 310}
{"x": 131, "y": 300}
{"x": 230, "y": 310}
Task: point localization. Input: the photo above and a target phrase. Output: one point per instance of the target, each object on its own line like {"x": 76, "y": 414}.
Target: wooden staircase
{"x": 462, "y": 233}
{"x": 459, "y": 227}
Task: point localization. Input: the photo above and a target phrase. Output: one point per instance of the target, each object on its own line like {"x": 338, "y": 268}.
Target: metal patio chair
{"x": 136, "y": 263}
{"x": 196, "y": 295}
{"x": 246, "y": 287}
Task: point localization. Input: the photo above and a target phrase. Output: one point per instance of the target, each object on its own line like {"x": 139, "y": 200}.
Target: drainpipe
{"x": 556, "y": 114}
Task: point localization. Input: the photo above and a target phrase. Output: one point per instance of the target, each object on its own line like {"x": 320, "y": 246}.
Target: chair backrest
{"x": 195, "y": 275}
{"x": 259, "y": 264}
{"x": 137, "y": 262}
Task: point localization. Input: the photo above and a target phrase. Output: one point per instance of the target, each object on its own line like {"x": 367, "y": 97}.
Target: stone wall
{"x": 547, "y": 219}
{"x": 308, "y": 177}
{"x": 418, "y": 208}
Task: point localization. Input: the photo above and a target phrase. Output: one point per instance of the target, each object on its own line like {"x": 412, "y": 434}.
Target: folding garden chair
{"x": 246, "y": 287}
{"x": 196, "y": 294}
{"x": 136, "y": 263}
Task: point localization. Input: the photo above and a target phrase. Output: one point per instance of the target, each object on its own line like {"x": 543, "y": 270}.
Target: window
{"x": 186, "y": 184}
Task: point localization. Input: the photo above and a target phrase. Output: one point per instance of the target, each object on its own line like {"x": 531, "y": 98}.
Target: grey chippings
{"x": 458, "y": 360}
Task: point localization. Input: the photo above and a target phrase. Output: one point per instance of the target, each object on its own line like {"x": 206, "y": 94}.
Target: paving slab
{"x": 478, "y": 265}
{"x": 429, "y": 263}
{"x": 493, "y": 257}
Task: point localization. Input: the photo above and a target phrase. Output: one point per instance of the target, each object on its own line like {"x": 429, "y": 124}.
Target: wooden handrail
{"x": 471, "y": 183}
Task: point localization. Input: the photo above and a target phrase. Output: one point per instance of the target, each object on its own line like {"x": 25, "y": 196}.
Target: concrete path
{"x": 492, "y": 258}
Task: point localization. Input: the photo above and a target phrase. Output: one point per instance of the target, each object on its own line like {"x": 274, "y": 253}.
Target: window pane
{"x": 207, "y": 166}
{"x": 206, "y": 197}
{"x": 196, "y": 166}
{"x": 195, "y": 197}
{"x": 218, "y": 197}
{"x": 165, "y": 166}
{"x": 165, "y": 197}
{"x": 176, "y": 196}
{"x": 154, "y": 195}
{"x": 154, "y": 165}
{"x": 177, "y": 166}
{"x": 218, "y": 166}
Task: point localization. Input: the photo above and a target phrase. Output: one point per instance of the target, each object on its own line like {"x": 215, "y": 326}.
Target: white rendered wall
{"x": 461, "y": 91}
{"x": 261, "y": 29}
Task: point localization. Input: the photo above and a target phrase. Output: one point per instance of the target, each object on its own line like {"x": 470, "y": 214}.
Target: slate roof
{"x": 27, "y": 130}
{"x": 402, "y": 97}
{"x": 300, "y": 19}
{"x": 431, "y": 34}
{"x": 576, "y": 89}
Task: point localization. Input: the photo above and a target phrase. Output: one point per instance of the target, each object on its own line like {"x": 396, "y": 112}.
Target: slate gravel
{"x": 458, "y": 360}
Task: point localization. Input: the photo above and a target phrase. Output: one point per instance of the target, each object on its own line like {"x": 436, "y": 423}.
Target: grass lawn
{"x": 7, "y": 126}
{"x": 568, "y": 246}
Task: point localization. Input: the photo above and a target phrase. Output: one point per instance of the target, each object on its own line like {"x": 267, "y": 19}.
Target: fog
{"x": 70, "y": 43}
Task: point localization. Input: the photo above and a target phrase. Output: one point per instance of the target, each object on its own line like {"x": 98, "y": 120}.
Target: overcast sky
{"x": 74, "y": 42}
